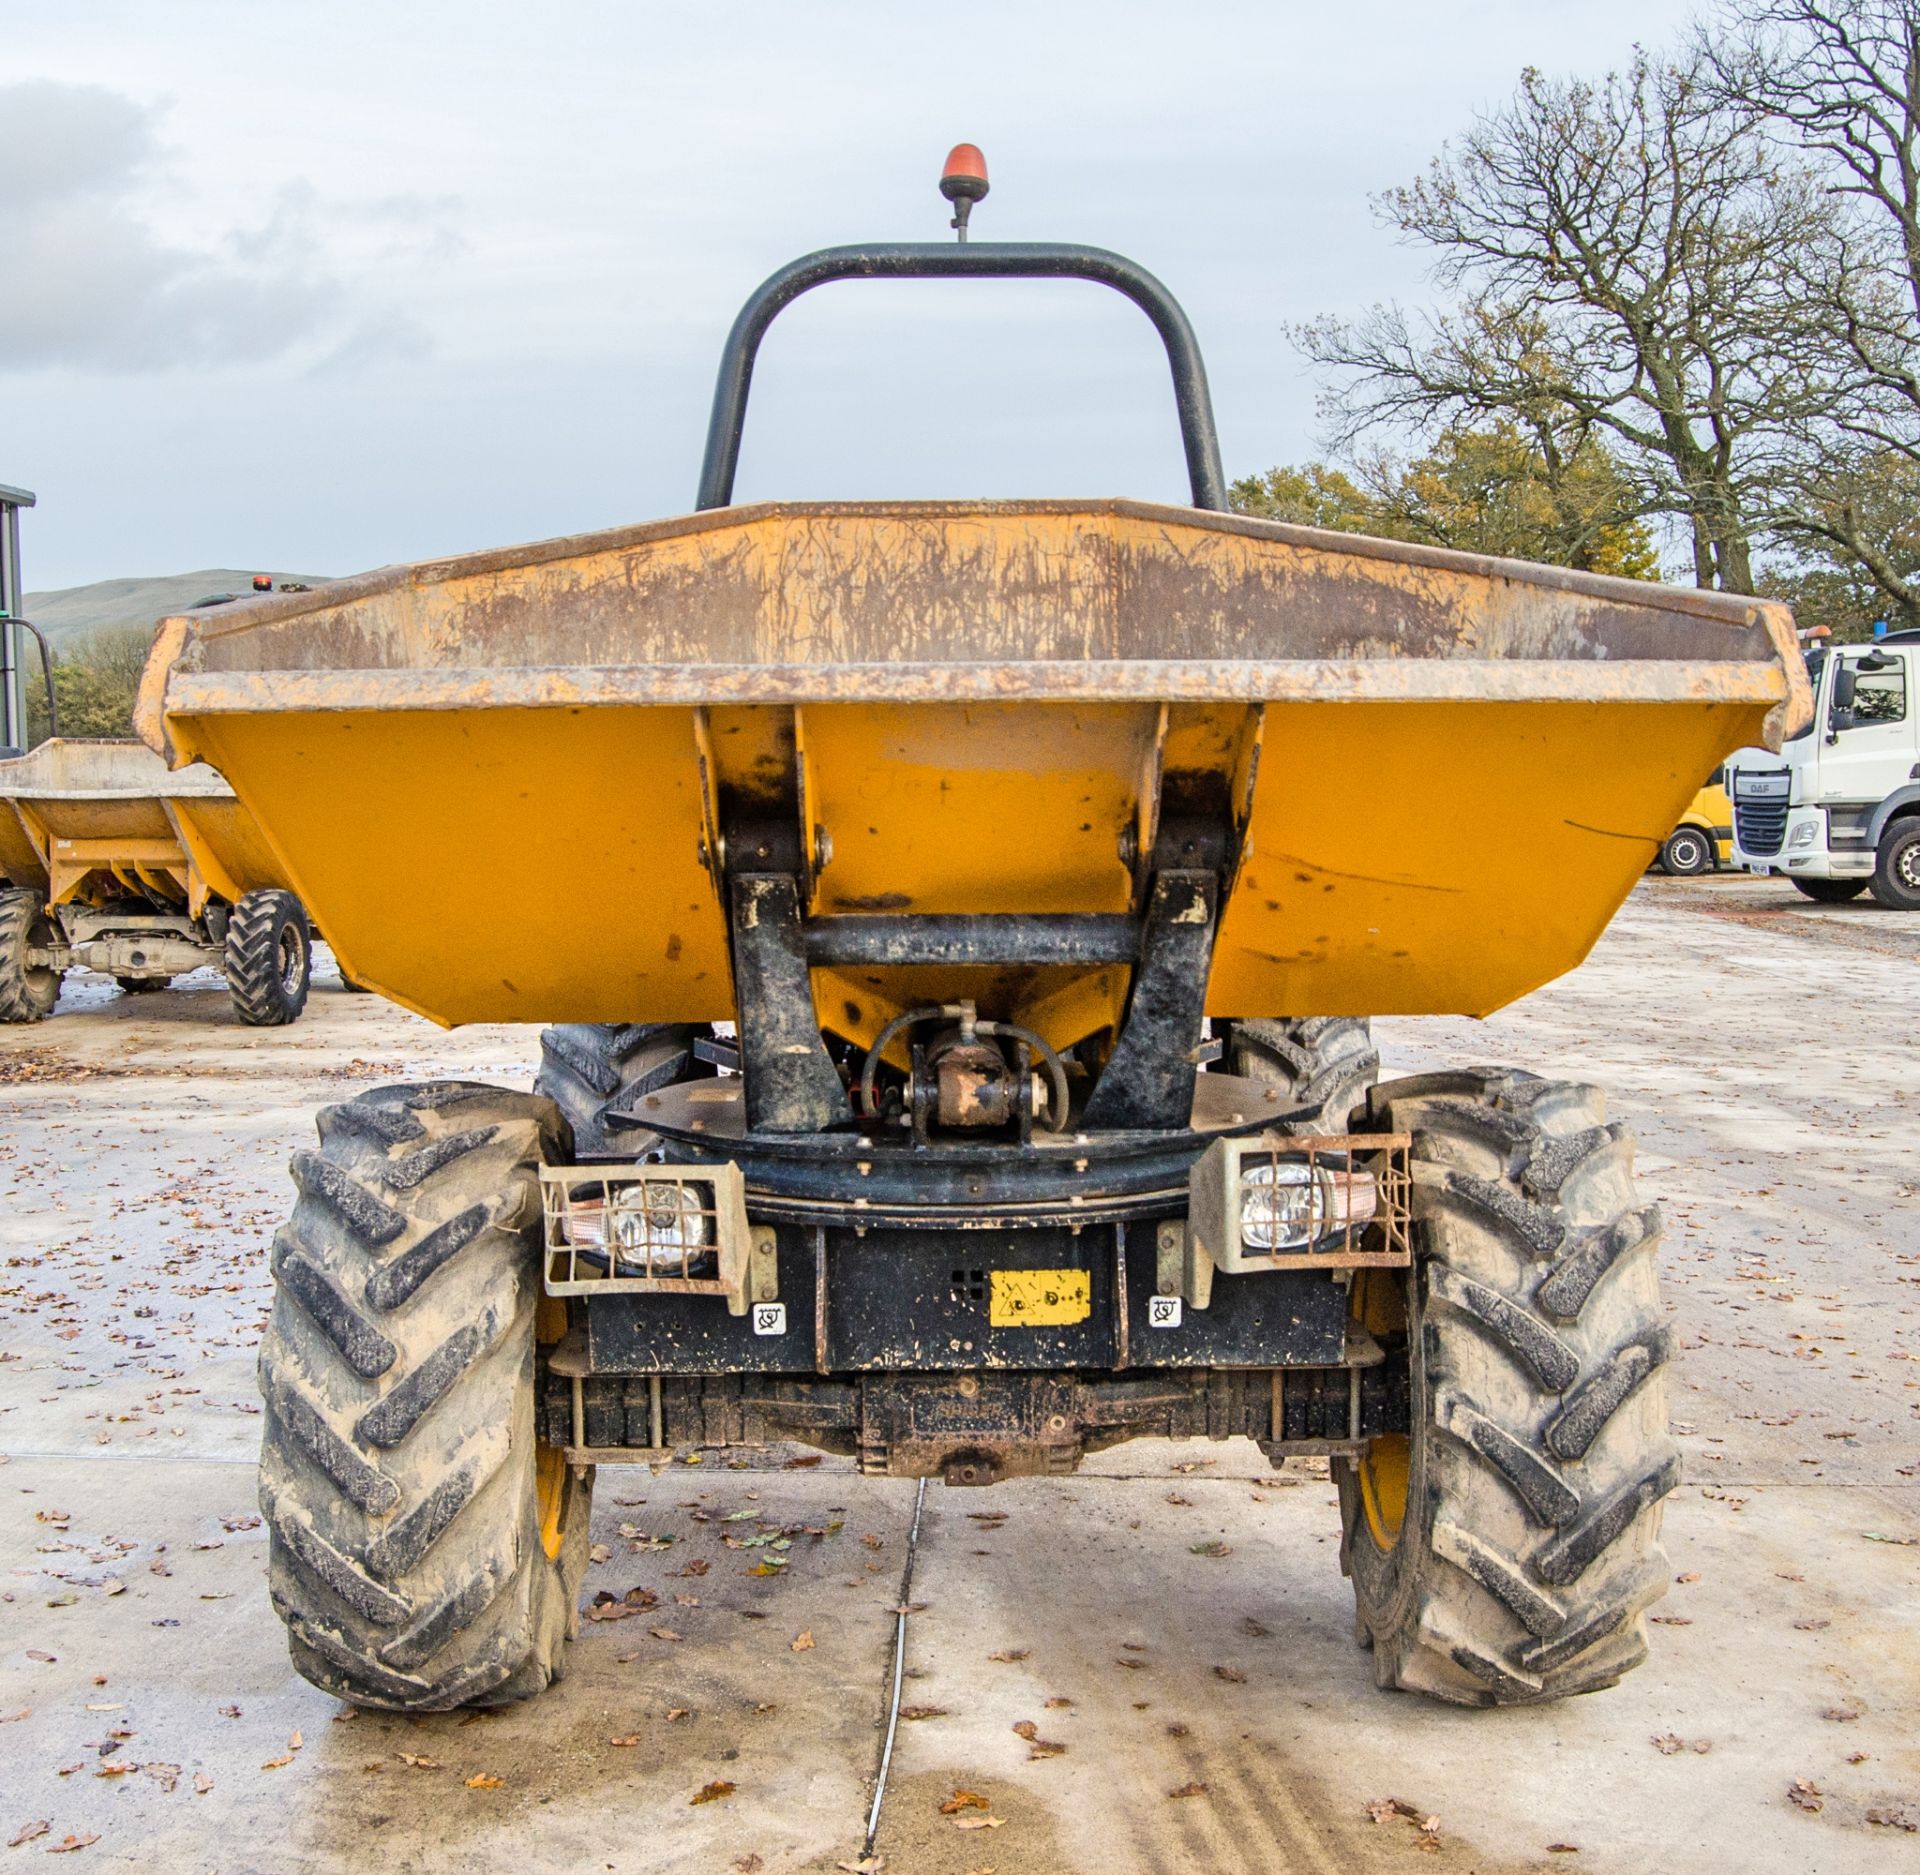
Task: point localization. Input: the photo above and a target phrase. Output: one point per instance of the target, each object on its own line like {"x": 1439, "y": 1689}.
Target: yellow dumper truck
{"x": 958, "y": 920}
{"x": 109, "y": 861}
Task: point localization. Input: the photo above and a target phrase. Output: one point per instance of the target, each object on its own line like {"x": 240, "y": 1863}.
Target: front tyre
{"x": 1505, "y": 1550}
{"x": 28, "y": 991}
{"x": 1829, "y": 891}
{"x": 426, "y": 1549}
{"x": 1896, "y": 868}
{"x": 268, "y": 959}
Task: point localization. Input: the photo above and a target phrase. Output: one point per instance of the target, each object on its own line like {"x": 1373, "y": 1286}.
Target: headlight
{"x": 1288, "y": 1205}
{"x": 657, "y": 1223}
{"x": 1804, "y": 835}
{"x": 1283, "y": 1206}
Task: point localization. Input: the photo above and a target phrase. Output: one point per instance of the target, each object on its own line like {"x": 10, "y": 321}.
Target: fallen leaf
{"x": 1215, "y": 1548}
{"x": 1672, "y": 1621}
{"x": 1037, "y": 1747}
{"x": 750, "y": 1863}
{"x": 867, "y": 1865}
{"x": 1896, "y": 1817}
{"x": 1667, "y": 1743}
{"x": 1692, "y": 1575}
{"x": 419, "y": 1763}
{"x": 1813, "y": 1626}
{"x": 1805, "y": 1794}
{"x": 1189, "y": 1790}
{"x": 964, "y": 1800}
{"x": 1878, "y": 1536}
{"x": 284, "y": 1759}
{"x": 697, "y": 1566}
{"x": 25, "y": 1712}
{"x": 28, "y": 1832}
{"x": 482, "y": 1780}
{"x": 68, "y": 1844}
{"x": 1007, "y": 1656}
{"x": 1129, "y": 1661}
{"x": 1841, "y": 1715}
{"x": 665, "y": 1634}
{"x": 1255, "y": 1628}
{"x": 801, "y": 1642}
{"x": 1232, "y": 1675}
{"x": 1058, "y": 1700}
{"x": 1563, "y": 1848}
{"x": 46, "y": 1660}
{"x": 712, "y": 1793}
{"x": 979, "y": 1822}
{"x": 599, "y": 1553}
{"x": 923, "y": 1712}
{"x": 631, "y": 1738}
{"x": 803, "y": 1463}
{"x": 676, "y": 1713}
{"x": 202, "y": 1783}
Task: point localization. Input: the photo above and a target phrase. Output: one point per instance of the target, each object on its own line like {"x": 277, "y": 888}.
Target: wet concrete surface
{"x": 1765, "y": 1050}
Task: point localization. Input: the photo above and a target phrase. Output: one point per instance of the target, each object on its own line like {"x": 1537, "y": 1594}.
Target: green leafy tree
{"x": 93, "y": 686}
{"x": 1491, "y": 489}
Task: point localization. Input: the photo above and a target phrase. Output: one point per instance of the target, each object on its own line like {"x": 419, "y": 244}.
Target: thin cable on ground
{"x": 899, "y": 1669}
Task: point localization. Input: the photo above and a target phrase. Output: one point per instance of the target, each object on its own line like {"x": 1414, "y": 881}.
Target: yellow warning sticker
{"x": 1039, "y": 1298}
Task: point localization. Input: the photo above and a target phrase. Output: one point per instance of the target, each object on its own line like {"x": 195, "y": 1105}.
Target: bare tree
{"x": 1839, "y": 80}
{"x": 1620, "y": 251}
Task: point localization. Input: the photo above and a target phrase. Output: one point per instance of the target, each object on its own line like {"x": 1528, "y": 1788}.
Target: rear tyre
{"x": 1505, "y": 1550}
{"x": 269, "y": 959}
{"x": 1327, "y": 1062}
{"x": 425, "y": 1549}
{"x": 27, "y": 991}
{"x": 588, "y": 1068}
{"x": 1829, "y": 891}
{"x": 1896, "y": 871}
{"x": 1687, "y": 852}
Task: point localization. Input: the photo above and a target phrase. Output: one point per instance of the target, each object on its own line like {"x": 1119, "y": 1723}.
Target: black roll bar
{"x": 1000, "y": 260}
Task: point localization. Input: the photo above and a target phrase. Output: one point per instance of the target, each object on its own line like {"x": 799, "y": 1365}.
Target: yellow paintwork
{"x": 499, "y": 783}
{"x": 1038, "y": 1298}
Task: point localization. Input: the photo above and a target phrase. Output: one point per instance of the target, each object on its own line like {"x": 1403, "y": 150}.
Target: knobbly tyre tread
{"x": 397, "y": 1470}
{"x": 26, "y": 995}
{"x": 251, "y": 959}
{"x": 1327, "y": 1062}
{"x": 1530, "y": 1549}
{"x": 588, "y": 1067}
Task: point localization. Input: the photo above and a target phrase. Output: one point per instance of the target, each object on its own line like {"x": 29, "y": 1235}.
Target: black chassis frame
{"x": 887, "y": 1242}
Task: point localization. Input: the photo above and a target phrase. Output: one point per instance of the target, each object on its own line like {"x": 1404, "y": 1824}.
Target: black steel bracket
{"x": 1001, "y": 260}
{"x": 1149, "y": 1078}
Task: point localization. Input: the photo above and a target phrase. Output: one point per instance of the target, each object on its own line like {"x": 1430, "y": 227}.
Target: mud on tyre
{"x": 1324, "y": 1061}
{"x": 1506, "y": 1549}
{"x": 28, "y": 991}
{"x": 586, "y": 1068}
{"x": 425, "y": 1551}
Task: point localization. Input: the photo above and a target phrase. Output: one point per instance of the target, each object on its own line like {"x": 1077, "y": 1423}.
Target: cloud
{"x": 93, "y": 286}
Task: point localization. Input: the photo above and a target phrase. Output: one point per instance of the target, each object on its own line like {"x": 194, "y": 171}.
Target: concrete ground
{"x": 1214, "y": 1710}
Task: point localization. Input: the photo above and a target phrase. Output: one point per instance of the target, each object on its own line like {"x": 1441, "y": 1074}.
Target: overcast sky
{"x": 320, "y": 286}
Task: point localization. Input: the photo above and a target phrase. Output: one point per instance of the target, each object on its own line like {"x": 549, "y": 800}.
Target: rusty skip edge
{"x": 170, "y": 693}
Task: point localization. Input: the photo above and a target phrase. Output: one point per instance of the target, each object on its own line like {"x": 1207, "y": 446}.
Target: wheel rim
{"x": 1908, "y": 867}
{"x": 1379, "y": 1305}
{"x": 552, "y": 1476}
{"x": 291, "y": 968}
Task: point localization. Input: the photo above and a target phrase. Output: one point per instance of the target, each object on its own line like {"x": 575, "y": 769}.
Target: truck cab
{"x": 1837, "y": 812}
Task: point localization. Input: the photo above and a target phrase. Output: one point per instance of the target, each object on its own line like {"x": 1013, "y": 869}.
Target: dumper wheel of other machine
{"x": 139, "y": 986}
{"x": 269, "y": 959}
{"x": 28, "y": 990}
{"x": 1324, "y": 1061}
{"x": 1506, "y": 1548}
{"x": 425, "y": 1548}
{"x": 1829, "y": 891}
{"x": 588, "y": 1068}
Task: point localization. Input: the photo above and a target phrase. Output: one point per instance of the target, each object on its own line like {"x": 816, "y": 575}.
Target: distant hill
{"x": 121, "y": 604}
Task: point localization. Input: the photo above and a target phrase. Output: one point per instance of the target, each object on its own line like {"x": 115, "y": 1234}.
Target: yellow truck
{"x": 958, "y": 922}
{"x": 1702, "y": 839}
